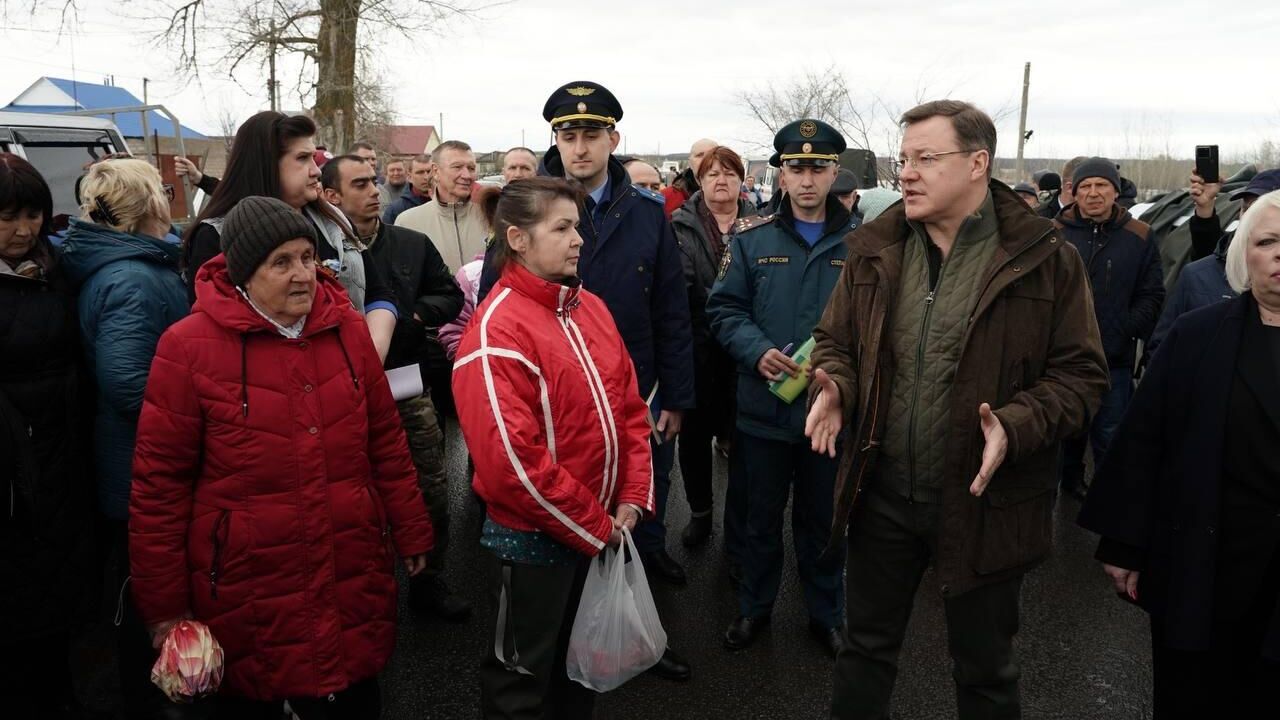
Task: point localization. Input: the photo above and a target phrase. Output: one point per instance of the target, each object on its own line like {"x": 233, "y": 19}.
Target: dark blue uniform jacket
{"x": 770, "y": 292}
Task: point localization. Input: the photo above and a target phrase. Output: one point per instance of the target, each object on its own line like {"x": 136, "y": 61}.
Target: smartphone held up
{"x": 1207, "y": 163}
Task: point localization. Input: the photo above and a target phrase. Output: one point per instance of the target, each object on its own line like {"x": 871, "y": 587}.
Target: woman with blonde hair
{"x": 1187, "y": 500}
{"x": 129, "y": 292}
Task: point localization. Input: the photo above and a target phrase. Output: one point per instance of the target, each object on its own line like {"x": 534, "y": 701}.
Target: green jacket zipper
{"x": 915, "y": 388}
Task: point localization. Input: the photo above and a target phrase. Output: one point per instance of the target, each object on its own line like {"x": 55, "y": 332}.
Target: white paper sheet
{"x": 406, "y": 382}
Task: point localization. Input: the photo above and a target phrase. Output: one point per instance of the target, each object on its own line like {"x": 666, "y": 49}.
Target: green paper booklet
{"x": 789, "y": 388}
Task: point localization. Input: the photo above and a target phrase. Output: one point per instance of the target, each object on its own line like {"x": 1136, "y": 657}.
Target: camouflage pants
{"x": 426, "y": 445}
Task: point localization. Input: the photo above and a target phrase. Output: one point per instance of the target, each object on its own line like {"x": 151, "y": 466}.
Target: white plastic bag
{"x": 616, "y": 633}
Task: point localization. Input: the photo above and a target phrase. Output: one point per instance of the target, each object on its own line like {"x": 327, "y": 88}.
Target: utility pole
{"x": 146, "y": 131}
{"x": 1022, "y": 121}
{"x": 271, "y": 77}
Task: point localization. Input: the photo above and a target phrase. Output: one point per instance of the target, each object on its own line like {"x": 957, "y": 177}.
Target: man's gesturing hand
{"x": 822, "y": 425}
{"x": 997, "y": 444}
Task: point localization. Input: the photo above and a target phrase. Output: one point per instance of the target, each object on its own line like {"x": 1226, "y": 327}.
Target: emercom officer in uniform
{"x": 773, "y": 284}
{"x": 629, "y": 259}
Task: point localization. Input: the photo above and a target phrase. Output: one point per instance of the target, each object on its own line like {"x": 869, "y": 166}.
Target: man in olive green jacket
{"x": 961, "y": 346}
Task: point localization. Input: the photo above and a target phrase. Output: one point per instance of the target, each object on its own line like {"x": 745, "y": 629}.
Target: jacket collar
{"x": 687, "y": 214}
{"x": 1071, "y": 217}
{"x": 838, "y": 217}
{"x": 221, "y": 301}
{"x": 560, "y": 298}
{"x": 552, "y": 165}
{"x": 1224, "y": 243}
{"x": 454, "y": 211}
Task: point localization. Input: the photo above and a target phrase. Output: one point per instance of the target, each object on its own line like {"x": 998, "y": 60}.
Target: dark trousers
{"x": 735, "y": 503}
{"x": 360, "y": 701}
{"x": 134, "y": 652}
{"x": 542, "y": 602}
{"x": 441, "y": 391}
{"x": 1232, "y": 679}
{"x": 651, "y": 534}
{"x": 890, "y": 544}
{"x": 1114, "y": 402}
{"x": 426, "y": 445}
{"x": 696, "y": 459}
{"x": 36, "y": 681}
{"x": 773, "y": 468}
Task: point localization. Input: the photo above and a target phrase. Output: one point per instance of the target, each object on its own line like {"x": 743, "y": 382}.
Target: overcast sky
{"x": 1107, "y": 76}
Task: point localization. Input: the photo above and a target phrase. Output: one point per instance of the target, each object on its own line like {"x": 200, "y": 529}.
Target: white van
{"x": 61, "y": 147}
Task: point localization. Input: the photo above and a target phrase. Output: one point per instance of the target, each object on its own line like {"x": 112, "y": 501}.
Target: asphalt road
{"x": 1084, "y": 653}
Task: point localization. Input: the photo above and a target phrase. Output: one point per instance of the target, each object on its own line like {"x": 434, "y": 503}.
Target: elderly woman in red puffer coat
{"x": 272, "y": 484}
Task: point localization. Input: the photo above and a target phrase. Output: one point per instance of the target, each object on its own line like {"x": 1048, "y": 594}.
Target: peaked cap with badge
{"x": 582, "y": 104}
{"x": 807, "y": 142}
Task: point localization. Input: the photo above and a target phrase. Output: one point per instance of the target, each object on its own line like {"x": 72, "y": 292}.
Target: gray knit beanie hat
{"x": 253, "y": 230}
{"x": 1097, "y": 167}
{"x": 873, "y": 201}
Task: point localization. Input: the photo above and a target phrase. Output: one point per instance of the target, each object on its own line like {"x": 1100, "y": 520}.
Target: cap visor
{"x": 578, "y": 124}
{"x": 811, "y": 162}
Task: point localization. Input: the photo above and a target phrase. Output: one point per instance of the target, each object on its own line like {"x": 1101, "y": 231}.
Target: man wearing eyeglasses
{"x": 960, "y": 347}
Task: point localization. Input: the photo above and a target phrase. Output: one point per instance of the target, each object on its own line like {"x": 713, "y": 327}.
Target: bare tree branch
{"x": 241, "y": 36}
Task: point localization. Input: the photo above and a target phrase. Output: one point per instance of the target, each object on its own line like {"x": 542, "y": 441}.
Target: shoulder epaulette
{"x": 650, "y": 194}
{"x": 750, "y": 223}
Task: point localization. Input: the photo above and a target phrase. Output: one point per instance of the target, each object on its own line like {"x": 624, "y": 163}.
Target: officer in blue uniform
{"x": 630, "y": 259}
{"x": 773, "y": 285}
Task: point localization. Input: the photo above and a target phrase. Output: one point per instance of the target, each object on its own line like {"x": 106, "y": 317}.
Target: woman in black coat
{"x": 1188, "y": 499}
{"x": 44, "y": 530}
{"x": 702, "y": 227}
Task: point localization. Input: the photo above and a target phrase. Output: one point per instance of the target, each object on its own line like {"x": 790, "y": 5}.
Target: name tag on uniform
{"x": 837, "y": 263}
{"x": 774, "y": 260}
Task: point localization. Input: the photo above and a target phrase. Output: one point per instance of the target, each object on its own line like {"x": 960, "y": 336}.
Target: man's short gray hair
{"x": 448, "y": 145}
{"x": 1237, "y": 267}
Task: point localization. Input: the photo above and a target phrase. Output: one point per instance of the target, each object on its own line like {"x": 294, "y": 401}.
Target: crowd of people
{"x": 964, "y": 345}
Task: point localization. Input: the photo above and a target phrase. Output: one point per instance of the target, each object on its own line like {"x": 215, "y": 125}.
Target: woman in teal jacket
{"x": 129, "y": 293}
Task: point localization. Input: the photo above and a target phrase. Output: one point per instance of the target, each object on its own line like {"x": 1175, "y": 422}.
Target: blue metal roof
{"x": 92, "y": 95}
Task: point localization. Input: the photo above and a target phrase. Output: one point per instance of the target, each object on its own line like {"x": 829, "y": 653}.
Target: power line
{"x": 68, "y": 33}
{"x": 71, "y": 68}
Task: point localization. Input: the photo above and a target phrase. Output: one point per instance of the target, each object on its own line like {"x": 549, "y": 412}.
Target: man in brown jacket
{"x": 960, "y": 346}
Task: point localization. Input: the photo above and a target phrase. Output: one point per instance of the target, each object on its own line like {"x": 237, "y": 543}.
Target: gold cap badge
{"x": 808, "y": 129}
{"x": 582, "y": 107}
{"x": 579, "y": 91}
{"x": 806, "y": 148}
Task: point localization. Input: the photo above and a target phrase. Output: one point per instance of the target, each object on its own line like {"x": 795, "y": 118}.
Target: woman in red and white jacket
{"x": 551, "y": 411}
